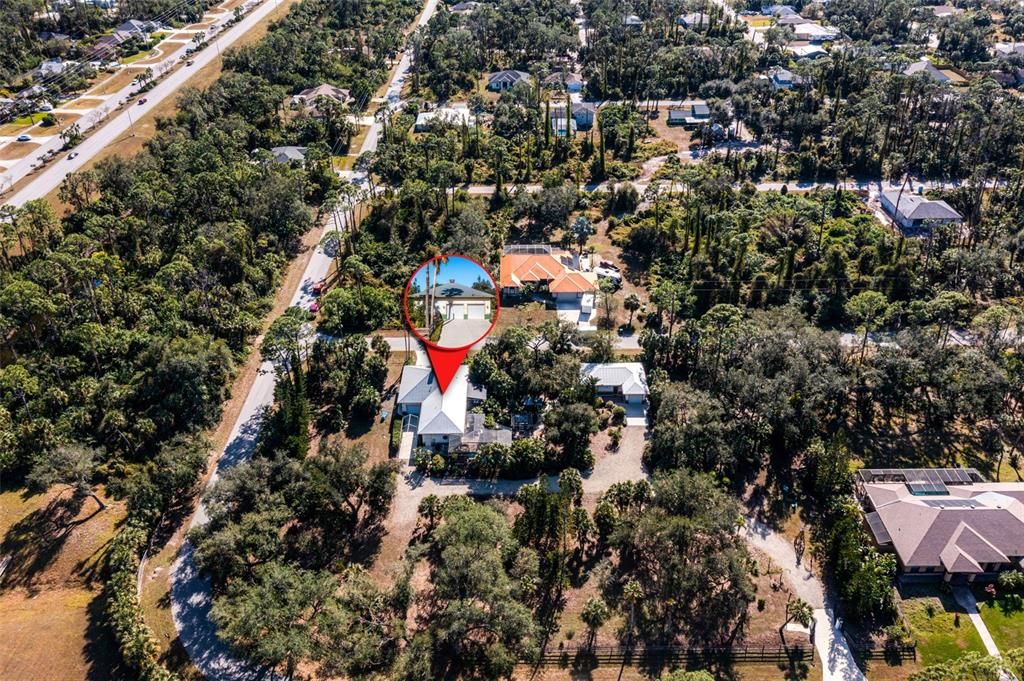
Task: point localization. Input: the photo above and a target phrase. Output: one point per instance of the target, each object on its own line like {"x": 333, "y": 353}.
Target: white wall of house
{"x": 464, "y": 309}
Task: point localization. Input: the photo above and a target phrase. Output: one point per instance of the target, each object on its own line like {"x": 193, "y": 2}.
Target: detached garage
{"x": 456, "y": 301}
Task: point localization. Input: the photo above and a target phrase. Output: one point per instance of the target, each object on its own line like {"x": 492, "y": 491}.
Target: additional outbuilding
{"x": 944, "y": 523}
{"x": 288, "y": 154}
{"x": 621, "y": 381}
{"x": 914, "y": 213}
{"x": 691, "y": 112}
{"x": 501, "y": 81}
{"x": 632, "y": 21}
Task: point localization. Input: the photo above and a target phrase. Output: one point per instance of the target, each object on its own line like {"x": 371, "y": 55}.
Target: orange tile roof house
{"x": 547, "y": 270}
{"x": 543, "y": 268}
{"x": 946, "y": 523}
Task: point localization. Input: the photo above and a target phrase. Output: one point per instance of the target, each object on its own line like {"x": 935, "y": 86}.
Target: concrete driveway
{"x": 457, "y": 333}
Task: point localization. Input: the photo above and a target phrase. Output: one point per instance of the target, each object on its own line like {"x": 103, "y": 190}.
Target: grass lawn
{"x": 1005, "y": 624}
{"x": 138, "y": 56}
{"x": 51, "y": 597}
{"x": 933, "y": 622}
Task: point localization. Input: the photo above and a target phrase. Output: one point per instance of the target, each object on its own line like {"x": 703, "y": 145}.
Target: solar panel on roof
{"x": 952, "y": 503}
{"x": 878, "y": 529}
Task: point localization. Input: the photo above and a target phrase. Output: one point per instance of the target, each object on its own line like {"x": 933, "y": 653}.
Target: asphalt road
{"x": 120, "y": 124}
{"x": 191, "y": 596}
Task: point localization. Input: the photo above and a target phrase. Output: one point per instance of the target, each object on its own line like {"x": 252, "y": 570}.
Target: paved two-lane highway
{"x": 121, "y": 123}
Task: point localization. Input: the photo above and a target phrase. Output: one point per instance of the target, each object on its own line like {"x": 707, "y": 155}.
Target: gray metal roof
{"x": 453, "y": 290}
{"x": 915, "y": 207}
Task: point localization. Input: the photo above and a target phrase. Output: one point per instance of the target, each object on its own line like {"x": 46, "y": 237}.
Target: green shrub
{"x": 134, "y": 639}
{"x": 619, "y": 415}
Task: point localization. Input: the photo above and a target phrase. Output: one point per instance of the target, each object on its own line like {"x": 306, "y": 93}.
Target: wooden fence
{"x": 891, "y": 651}
{"x": 598, "y": 655}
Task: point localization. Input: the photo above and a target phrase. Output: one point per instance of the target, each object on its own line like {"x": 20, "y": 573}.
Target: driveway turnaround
{"x": 457, "y": 333}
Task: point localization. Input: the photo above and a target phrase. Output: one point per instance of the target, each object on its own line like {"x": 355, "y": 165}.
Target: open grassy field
{"x": 51, "y": 595}
{"x": 17, "y": 150}
{"x": 115, "y": 82}
{"x": 83, "y": 103}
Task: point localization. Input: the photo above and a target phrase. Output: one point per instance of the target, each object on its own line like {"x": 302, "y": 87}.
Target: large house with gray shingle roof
{"x": 944, "y": 523}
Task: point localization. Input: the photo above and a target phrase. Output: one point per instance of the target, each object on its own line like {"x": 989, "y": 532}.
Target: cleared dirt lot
{"x": 115, "y": 82}
{"x": 83, "y": 103}
{"x": 17, "y": 150}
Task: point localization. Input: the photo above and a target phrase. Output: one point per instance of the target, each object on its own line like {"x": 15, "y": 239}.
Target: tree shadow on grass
{"x": 34, "y": 542}
{"x": 103, "y": 660}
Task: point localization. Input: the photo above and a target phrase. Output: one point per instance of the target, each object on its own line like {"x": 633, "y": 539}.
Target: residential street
{"x": 120, "y": 124}
{"x": 191, "y": 598}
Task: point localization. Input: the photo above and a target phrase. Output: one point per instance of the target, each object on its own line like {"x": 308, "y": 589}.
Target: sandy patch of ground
{"x": 114, "y": 83}
{"x": 15, "y": 151}
{"x": 83, "y": 103}
{"x": 676, "y": 134}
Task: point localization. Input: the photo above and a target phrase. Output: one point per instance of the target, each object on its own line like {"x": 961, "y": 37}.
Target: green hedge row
{"x": 134, "y": 639}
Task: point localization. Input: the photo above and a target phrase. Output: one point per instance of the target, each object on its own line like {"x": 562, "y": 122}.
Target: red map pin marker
{"x": 445, "y": 363}
{"x": 453, "y": 299}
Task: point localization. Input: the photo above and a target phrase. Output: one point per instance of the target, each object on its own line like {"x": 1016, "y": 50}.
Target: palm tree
{"x": 785, "y": 231}
{"x": 797, "y": 610}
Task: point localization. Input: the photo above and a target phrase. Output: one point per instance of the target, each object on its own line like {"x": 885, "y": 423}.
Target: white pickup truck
{"x": 606, "y": 270}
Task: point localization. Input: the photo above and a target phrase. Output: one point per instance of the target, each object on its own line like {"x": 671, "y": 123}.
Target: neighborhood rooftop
{"x": 916, "y": 207}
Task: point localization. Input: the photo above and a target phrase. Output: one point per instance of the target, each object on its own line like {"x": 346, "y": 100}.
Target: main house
{"x": 914, "y": 213}
{"x": 944, "y": 523}
{"x": 458, "y": 301}
{"x": 442, "y": 421}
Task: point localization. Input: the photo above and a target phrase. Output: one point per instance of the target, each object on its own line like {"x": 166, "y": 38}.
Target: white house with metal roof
{"x": 625, "y": 381}
{"x": 442, "y": 420}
